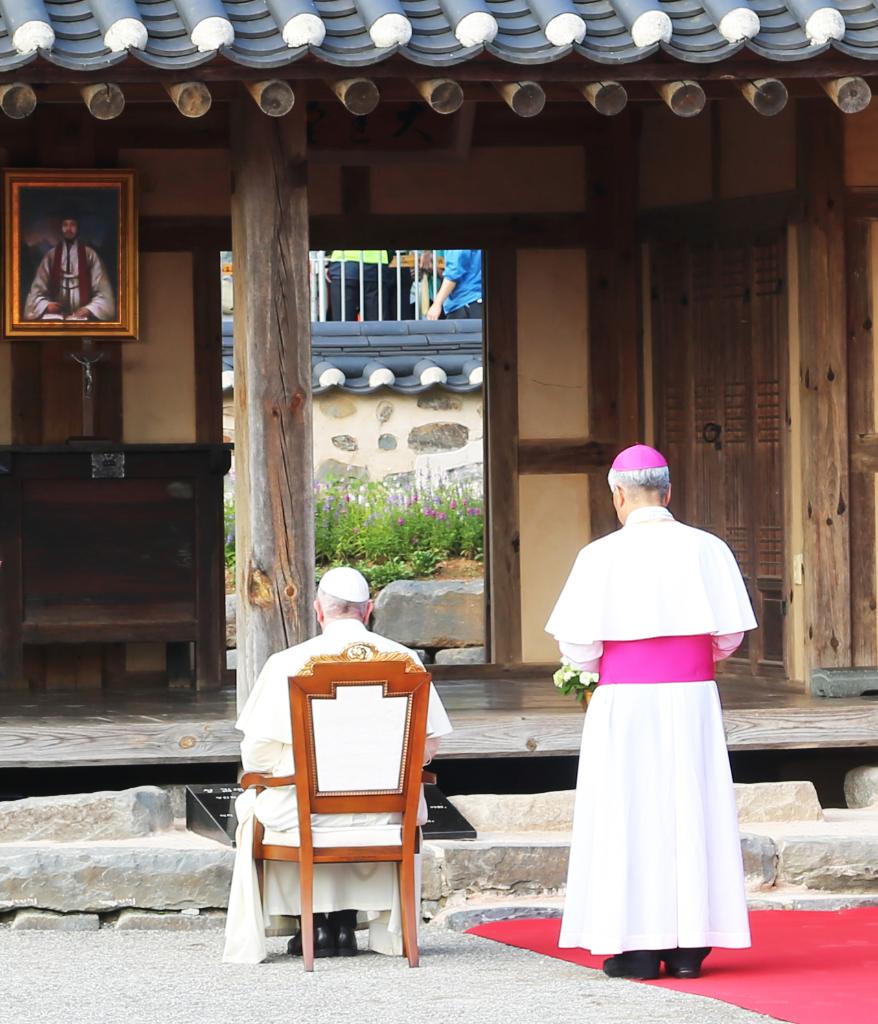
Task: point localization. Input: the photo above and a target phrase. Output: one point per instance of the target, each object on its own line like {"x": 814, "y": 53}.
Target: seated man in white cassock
{"x": 340, "y": 890}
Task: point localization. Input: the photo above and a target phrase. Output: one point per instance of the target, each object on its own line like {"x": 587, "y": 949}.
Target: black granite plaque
{"x": 210, "y": 811}
{"x": 445, "y": 821}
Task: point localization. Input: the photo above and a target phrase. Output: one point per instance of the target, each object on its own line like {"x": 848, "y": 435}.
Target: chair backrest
{"x": 359, "y": 724}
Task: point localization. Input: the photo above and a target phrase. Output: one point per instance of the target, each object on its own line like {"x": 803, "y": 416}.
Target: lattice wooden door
{"x": 719, "y": 342}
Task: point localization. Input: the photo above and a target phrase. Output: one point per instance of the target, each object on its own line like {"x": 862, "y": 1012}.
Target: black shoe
{"x": 642, "y": 964}
{"x": 344, "y": 926}
{"x": 324, "y": 941}
{"x": 685, "y": 962}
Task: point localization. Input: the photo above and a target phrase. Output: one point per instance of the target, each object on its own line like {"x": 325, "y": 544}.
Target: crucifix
{"x": 87, "y": 359}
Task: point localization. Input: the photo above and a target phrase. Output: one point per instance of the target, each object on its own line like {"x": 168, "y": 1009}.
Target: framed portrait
{"x": 70, "y": 254}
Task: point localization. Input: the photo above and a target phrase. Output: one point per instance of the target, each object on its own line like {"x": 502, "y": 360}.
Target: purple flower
{"x": 442, "y": 516}
{"x": 452, "y": 504}
{"x": 401, "y": 521}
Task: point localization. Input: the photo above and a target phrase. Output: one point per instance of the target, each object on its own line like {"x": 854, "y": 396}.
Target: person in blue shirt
{"x": 460, "y": 296}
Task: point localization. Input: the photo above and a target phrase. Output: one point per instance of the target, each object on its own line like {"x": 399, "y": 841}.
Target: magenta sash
{"x": 660, "y": 659}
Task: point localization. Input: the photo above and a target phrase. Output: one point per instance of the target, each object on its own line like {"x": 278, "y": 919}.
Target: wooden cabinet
{"x": 112, "y": 545}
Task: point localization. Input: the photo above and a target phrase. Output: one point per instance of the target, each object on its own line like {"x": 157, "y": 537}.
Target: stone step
{"x": 177, "y": 871}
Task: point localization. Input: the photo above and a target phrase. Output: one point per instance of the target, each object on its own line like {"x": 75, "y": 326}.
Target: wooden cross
{"x": 87, "y": 359}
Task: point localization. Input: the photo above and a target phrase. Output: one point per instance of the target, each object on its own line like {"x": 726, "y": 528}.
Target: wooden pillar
{"x": 863, "y": 436}
{"x": 615, "y": 378}
{"x": 273, "y": 460}
{"x": 823, "y": 386}
{"x": 501, "y": 431}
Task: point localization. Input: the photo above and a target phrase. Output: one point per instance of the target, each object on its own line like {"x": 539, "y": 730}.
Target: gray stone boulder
{"x": 518, "y": 812}
{"x": 86, "y": 816}
{"x": 51, "y": 921}
{"x": 99, "y": 879}
{"x": 461, "y": 656}
{"x": 778, "y": 801}
{"x": 432, "y": 613}
{"x": 231, "y": 621}
{"x": 760, "y": 861}
{"x": 834, "y": 862}
{"x": 861, "y": 786}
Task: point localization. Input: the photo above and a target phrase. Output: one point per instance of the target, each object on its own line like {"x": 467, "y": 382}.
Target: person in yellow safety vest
{"x": 344, "y": 283}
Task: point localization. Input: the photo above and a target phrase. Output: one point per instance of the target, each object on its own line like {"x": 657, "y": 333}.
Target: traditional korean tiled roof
{"x": 179, "y": 34}
{"x": 408, "y": 356}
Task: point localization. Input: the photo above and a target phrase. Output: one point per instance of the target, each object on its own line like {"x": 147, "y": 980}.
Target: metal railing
{"x": 402, "y": 288}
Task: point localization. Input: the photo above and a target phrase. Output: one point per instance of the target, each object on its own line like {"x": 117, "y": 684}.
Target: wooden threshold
{"x": 518, "y": 717}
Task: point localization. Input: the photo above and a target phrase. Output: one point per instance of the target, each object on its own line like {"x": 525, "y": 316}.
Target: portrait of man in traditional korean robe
{"x": 71, "y": 256}
{"x": 71, "y": 282}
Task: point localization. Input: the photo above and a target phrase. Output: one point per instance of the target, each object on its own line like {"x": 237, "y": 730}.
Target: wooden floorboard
{"x": 521, "y": 716}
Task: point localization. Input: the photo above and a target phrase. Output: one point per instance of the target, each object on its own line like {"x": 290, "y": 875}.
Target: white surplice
{"x": 655, "y": 858}
{"x": 267, "y": 747}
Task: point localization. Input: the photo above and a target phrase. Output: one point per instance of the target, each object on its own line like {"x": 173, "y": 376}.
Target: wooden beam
{"x": 850, "y": 94}
{"x": 103, "y": 101}
{"x": 767, "y": 96}
{"x": 17, "y": 100}
{"x": 274, "y": 472}
{"x": 533, "y": 231}
{"x": 442, "y": 94}
{"x": 824, "y": 388}
{"x": 685, "y": 98}
{"x": 273, "y": 97}
{"x": 608, "y": 98}
{"x": 192, "y": 99}
{"x": 527, "y": 99}
{"x": 359, "y": 96}
{"x": 206, "y": 288}
{"x": 501, "y": 462}
{"x": 565, "y": 456}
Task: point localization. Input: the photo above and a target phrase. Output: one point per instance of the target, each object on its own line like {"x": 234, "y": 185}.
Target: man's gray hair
{"x": 656, "y": 480}
{"x": 338, "y": 608}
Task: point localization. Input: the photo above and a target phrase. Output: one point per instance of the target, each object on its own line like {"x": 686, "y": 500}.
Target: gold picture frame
{"x": 70, "y": 254}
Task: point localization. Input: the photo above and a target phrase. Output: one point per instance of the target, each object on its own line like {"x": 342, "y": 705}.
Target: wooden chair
{"x": 373, "y": 705}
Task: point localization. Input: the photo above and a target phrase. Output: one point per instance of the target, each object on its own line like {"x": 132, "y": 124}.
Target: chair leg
{"x": 409, "y": 910}
{"x": 306, "y": 899}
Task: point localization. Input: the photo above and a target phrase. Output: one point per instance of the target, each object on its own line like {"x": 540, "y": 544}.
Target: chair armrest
{"x": 428, "y": 778}
{"x": 251, "y": 780}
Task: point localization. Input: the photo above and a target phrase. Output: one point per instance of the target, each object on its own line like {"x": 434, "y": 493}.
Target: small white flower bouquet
{"x": 570, "y": 679}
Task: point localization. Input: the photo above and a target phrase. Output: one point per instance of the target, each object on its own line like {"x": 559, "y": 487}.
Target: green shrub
{"x": 388, "y": 533}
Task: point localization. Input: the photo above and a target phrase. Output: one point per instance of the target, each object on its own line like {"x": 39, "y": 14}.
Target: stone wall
{"x": 383, "y": 435}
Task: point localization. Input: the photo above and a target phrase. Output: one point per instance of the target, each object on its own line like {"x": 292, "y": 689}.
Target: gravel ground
{"x": 177, "y": 978}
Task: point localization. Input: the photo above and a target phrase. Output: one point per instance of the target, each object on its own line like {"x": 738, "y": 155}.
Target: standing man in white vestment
{"x": 343, "y": 609}
{"x": 655, "y": 863}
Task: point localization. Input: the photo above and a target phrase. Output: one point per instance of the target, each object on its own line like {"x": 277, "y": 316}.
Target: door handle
{"x": 711, "y": 433}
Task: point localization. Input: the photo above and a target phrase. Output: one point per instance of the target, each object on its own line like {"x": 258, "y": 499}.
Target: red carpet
{"x": 809, "y": 967}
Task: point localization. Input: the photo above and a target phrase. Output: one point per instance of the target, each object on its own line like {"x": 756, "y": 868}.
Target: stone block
{"x": 440, "y": 401}
{"x": 518, "y": 812}
{"x": 461, "y": 656}
{"x": 332, "y": 469}
{"x": 337, "y": 407}
{"x": 49, "y": 921}
{"x": 99, "y": 879}
{"x": 231, "y": 621}
{"x": 834, "y": 862}
{"x": 438, "y": 437}
{"x": 472, "y": 917}
{"x": 132, "y": 919}
{"x": 432, "y": 613}
{"x": 861, "y": 786}
{"x": 778, "y": 801}
{"x": 432, "y": 857}
{"x": 504, "y": 867}
{"x": 760, "y": 861}
{"x": 345, "y": 442}
{"x": 86, "y": 816}
{"x": 387, "y": 442}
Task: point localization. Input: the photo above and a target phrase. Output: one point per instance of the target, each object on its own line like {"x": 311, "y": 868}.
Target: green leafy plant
{"x": 571, "y": 680}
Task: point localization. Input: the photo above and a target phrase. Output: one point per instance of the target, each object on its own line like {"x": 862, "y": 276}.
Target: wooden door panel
{"x": 719, "y": 335}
